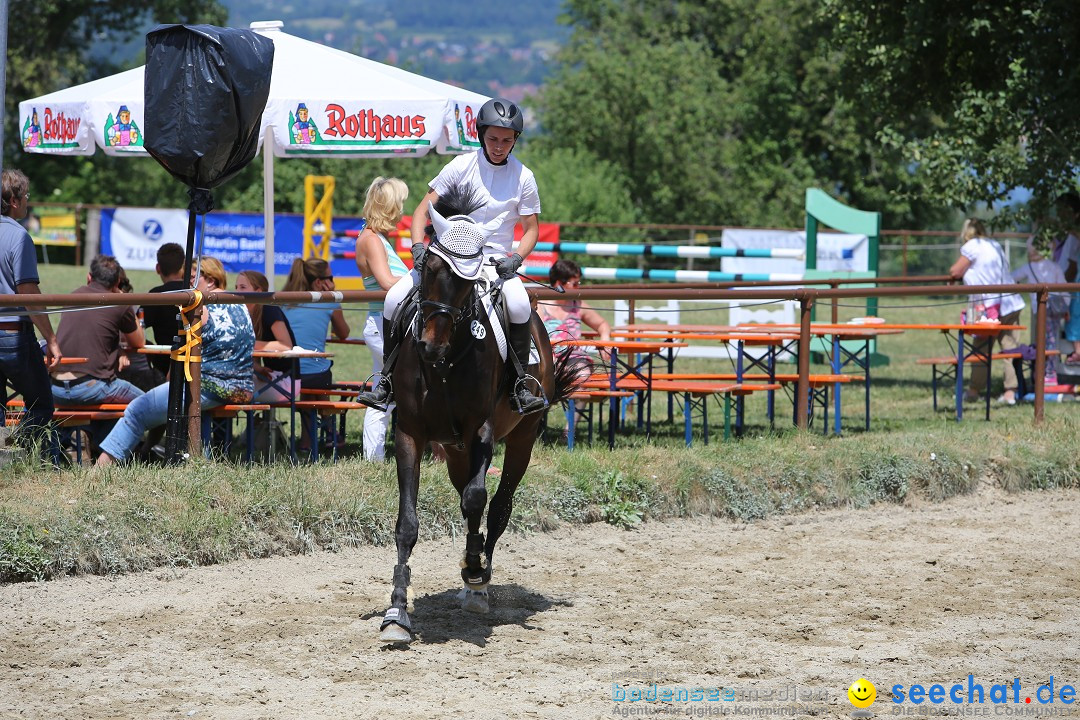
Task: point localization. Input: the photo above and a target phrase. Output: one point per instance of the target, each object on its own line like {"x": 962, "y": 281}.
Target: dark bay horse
{"x": 452, "y": 387}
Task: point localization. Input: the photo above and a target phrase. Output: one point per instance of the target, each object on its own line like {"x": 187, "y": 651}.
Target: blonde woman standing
{"x": 381, "y": 267}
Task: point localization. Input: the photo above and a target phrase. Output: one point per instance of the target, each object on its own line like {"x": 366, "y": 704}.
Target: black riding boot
{"x": 382, "y": 394}
{"x": 522, "y": 396}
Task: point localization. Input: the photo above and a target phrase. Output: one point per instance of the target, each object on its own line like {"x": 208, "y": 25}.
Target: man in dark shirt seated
{"x": 161, "y": 319}
{"x": 95, "y": 335}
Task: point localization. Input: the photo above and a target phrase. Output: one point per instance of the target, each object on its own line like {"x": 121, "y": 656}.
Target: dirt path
{"x": 986, "y": 585}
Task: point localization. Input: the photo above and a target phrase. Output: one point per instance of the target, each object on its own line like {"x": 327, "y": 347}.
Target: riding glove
{"x": 506, "y": 267}
{"x": 419, "y": 249}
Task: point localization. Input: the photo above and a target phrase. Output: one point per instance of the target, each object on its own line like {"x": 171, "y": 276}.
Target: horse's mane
{"x": 458, "y": 200}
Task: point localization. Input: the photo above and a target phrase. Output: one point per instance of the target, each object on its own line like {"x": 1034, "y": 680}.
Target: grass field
{"x": 137, "y": 517}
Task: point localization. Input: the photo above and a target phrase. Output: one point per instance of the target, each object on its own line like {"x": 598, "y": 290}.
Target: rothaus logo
{"x": 367, "y": 124}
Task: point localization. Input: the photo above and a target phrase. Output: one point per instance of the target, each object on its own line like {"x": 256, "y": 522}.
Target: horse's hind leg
{"x": 519, "y": 447}
{"x": 396, "y": 626}
{"x": 468, "y": 472}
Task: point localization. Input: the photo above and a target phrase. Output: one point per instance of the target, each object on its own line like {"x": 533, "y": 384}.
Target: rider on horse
{"x": 509, "y": 192}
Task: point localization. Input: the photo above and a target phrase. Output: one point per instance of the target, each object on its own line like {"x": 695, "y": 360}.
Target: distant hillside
{"x": 487, "y": 46}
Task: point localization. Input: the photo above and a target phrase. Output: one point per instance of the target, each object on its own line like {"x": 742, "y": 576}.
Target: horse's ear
{"x": 438, "y": 221}
{"x": 492, "y": 225}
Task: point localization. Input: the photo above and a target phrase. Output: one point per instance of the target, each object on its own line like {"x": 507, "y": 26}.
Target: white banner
{"x": 835, "y": 251}
{"x": 135, "y": 234}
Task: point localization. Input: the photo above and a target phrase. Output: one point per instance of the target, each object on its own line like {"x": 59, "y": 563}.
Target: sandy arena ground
{"x": 986, "y": 584}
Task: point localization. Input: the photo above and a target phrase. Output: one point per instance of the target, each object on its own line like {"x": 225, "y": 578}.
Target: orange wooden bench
{"x": 948, "y": 371}
{"x": 231, "y": 412}
{"x": 358, "y": 385}
{"x": 68, "y": 417}
{"x": 697, "y": 394}
{"x": 321, "y": 408}
{"x": 580, "y": 402}
{"x": 331, "y": 392}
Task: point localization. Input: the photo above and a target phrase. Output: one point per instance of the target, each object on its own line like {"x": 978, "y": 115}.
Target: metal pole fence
{"x": 805, "y": 296}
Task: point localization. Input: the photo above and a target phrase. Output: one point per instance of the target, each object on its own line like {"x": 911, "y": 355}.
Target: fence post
{"x": 693, "y": 241}
{"x": 835, "y": 305}
{"x": 802, "y": 393}
{"x": 1040, "y": 354}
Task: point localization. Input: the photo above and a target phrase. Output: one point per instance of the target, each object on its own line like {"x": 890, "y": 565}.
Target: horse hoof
{"x": 395, "y": 634}
{"x": 475, "y": 601}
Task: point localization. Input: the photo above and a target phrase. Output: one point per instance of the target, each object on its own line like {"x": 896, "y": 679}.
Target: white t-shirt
{"x": 508, "y": 191}
{"x": 990, "y": 266}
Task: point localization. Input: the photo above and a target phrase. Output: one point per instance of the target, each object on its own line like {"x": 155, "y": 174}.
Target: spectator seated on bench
{"x": 228, "y": 341}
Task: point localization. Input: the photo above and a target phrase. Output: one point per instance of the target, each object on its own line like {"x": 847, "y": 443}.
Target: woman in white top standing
{"x": 381, "y": 268}
{"x": 982, "y": 261}
{"x": 508, "y": 190}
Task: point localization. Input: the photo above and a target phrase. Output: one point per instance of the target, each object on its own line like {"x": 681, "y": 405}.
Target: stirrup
{"x": 538, "y": 403}
{"x": 371, "y": 398}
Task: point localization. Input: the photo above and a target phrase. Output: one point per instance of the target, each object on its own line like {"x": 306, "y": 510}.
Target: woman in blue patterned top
{"x": 228, "y": 340}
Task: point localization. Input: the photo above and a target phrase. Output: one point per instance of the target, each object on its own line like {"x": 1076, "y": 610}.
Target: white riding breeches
{"x": 518, "y": 306}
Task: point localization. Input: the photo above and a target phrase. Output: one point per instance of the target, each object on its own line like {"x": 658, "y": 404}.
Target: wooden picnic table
{"x": 965, "y": 349}
{"x": 648, "y": 350}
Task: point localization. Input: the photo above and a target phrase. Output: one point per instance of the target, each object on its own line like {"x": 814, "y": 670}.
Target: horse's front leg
{"x": 396, "y": 626}
{"x": 471, "y": 468}
{"x": 519, "y": 446}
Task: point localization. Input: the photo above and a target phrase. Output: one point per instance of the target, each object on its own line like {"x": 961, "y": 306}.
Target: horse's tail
{"x": 571, "y": 371}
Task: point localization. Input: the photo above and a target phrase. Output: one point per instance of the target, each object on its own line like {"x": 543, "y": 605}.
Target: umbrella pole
{"x": 184, "y": 400}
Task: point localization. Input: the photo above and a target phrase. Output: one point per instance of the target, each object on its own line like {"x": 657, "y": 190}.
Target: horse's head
{"x": 454, "y": 262}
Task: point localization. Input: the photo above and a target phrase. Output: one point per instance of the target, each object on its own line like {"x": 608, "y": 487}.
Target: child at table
{"x": 563, "y": 318}
{"x": 309, "y": 324}
{"x": 274, "y": 381}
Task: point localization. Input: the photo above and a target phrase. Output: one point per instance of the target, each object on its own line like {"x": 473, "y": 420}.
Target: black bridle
{"x": 457, "y": 313}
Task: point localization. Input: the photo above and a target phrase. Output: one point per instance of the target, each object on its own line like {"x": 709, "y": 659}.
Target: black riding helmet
{"x": 500, "y": 112}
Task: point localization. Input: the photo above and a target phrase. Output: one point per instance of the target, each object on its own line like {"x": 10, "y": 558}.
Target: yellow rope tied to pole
{"x": 194, "y": 338}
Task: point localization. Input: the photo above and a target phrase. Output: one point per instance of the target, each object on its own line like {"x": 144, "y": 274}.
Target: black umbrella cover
{"x": 205, "y": 90}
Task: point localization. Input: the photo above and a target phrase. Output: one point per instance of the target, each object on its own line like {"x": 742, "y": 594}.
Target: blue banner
{"x": 238, "y": 240}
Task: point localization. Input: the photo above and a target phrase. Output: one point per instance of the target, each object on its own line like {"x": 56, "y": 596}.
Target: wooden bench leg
{"x": 571, "y": 417}
{"x": 251, "y": 435}
{"x": 727, "y": 416}
{"x": 705, "y": 419}
{"x": 687, "y": 421}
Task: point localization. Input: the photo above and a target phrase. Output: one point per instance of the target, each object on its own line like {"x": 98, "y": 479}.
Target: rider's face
{"x": 498, "y": 142}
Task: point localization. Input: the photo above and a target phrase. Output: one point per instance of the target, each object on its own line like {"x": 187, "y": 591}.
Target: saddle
{"x": 488, "y": 301}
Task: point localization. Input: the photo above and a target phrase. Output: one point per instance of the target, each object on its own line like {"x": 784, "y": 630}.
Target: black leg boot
{"x": 523, "y": 397}
{"x": 382, "y": 393}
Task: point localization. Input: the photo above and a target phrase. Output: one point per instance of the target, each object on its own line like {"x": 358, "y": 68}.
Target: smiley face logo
{"x": 862, "y": 693}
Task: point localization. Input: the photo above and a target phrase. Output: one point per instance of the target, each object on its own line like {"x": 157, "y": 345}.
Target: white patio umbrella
{"x": 323, "y": 102}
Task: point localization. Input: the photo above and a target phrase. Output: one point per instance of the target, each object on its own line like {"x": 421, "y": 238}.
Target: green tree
{"x": 721, "y": 112}
{"x": 983, "y": 97}
{"x": 576, "y": 186}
